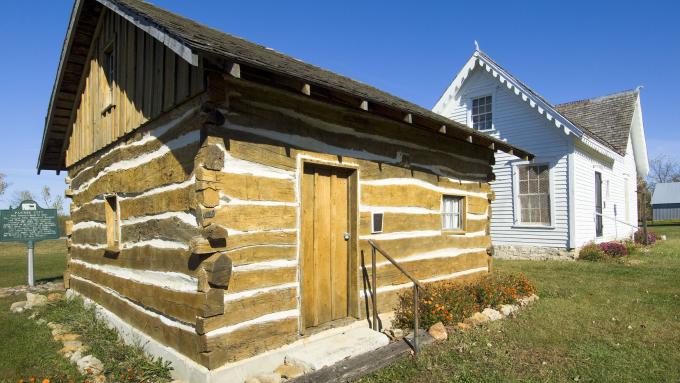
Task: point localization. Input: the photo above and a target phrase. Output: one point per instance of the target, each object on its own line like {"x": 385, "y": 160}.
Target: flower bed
{"x": 453, "y": 302}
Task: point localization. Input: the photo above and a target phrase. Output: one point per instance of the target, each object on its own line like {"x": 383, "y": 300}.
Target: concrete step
{"x": 322, "y": 352}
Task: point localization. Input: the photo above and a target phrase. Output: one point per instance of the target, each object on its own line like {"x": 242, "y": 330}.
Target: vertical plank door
{"x": 325, "y": 259}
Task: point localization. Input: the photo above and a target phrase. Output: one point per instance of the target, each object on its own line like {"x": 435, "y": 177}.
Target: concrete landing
{"x": 326, "y": 351}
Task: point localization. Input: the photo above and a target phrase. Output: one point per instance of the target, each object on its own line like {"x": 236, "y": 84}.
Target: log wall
{"x": 266, "y": 138}
{"x": 209, "y": 208}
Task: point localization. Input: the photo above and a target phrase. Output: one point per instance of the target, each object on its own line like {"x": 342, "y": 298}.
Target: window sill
{"x": 533, "y": 227}
{"x": 487, "y": 131}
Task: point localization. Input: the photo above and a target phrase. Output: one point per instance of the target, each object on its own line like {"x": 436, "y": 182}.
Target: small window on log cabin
{"x": 112, "y": 223}
{"x": 453, "y": 210}
{"x": 109, "y": 66}
{"x": 377, "y": 222}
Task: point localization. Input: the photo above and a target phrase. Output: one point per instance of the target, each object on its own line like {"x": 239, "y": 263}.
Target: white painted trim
{"x": 90, "y": 246}
{"x": 571, "y": 196}
{"x": 382, "y": 222}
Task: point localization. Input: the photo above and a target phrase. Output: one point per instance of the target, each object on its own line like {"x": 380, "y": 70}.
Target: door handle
{"x": 346, "y": 236}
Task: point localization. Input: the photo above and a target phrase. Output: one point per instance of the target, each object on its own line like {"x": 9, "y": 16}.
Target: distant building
{"x": 580, "y": 187}
{"x": 666, "y": 201}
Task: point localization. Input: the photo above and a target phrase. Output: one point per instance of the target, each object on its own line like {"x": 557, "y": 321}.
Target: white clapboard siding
{"x": 522, "y": 126}
{"x": 617, "y": 174}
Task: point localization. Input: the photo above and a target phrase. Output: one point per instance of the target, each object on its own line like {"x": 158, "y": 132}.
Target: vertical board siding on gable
{"x": 522, "y": 126}
{"x": 148, "y": 81}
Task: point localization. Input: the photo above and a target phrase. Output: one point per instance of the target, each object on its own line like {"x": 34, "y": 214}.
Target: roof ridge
{"x": 599, "y": 98}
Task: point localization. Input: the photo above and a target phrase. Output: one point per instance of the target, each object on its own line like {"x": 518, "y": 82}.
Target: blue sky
{"x": 411, "y": 49}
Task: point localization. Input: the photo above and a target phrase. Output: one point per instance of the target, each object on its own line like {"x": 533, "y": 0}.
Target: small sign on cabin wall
{"x": 28, "y": 223}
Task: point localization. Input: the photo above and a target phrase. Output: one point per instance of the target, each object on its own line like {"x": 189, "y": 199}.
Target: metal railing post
{"x": 415, "y": 319}
{"x": 374, "y": 289}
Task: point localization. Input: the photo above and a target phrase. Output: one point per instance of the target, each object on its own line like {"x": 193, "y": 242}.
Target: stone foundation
{"x": 533, "y": 252}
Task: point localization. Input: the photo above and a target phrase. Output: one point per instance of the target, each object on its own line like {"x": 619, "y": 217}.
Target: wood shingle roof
{"x": 190, "y": 39}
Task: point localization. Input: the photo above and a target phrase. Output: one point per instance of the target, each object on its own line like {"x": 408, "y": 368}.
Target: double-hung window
{"x": 481, "y": 113}
{"x": 452, "y": 212}
{"x": 534, "y": 194}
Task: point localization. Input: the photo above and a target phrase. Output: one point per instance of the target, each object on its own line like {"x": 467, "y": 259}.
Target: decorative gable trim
{"x": 535, "y": 102}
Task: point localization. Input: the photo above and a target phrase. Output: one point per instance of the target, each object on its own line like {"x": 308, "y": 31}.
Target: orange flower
{"x": 46, "y": 381}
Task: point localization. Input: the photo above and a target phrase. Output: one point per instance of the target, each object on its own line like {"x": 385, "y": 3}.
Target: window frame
{"x": 517, "y": 208}
{"x": 474, "y": 97}
{"x": 109, "y": 66}
{"x": 382, "y": 222}
{"x": 462, "y": 222}
{"x": 113, "y": 226}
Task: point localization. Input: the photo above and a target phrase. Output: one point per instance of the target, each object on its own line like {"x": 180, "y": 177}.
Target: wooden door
{"x": 325, "y": 241}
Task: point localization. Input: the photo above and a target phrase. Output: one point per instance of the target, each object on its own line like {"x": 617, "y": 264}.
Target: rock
{"x": 527, "y": 300}
{"x": 438, "y": 331}
{"x": 72, "y": 346}
{"x": 662, "y": 237}
{"x": 289, "y": 372}
{"x": 477, "y": 319}
{"x": 292, "y": 361}
{"x": 75, "y": 356}
{"x": 53, "y": 325}
{"x": 463, "y": 326}
{"x": 17, "y": 307}
{"x": 508, "y": 309}
{"x": 53, "y": 297}
{"x": 269, "y": 378}
{"x": 252, "y": 380}
{"x": 66, "y": 337}
{"x": 35, "y": 300}
{"x": 398, "y": 333}
{"x": 99, "y": 379}
{"x": 89, "y": 365}
{"x": 492, "y": 314}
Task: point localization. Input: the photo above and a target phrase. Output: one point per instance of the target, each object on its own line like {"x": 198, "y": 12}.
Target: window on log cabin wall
{"x": 377, "y": 223}
{"x": 112, "y": 223}
{"x": 109, "y": 61}
{"x": 452, "y": 212}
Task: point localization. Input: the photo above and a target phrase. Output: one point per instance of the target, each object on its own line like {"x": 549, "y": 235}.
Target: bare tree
{"x": 19, "y": 196}
{"x": 3, "y": 184}
{"x": 52, "y": 202}
{"x": 663, "y": 169}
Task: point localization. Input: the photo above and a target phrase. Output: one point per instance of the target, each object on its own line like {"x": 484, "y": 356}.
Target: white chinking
{"x": 277, "y": 316}
{"x": 269, "y": 265}
{"x": 436, "y": 254}
{"x": 230, "y": 297}
{"x": 170, "y": 280}
{"x": 187, "y": 218}
{"x": 363, "y": 293}
{"x": 157, "y": 243}
{"x": 423, "y": 184}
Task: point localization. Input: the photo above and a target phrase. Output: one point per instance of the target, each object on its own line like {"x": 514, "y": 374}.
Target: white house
{"x": 581, "y": 186}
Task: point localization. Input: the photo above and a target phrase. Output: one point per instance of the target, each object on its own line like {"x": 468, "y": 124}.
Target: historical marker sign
{"x": 28, "y": 223}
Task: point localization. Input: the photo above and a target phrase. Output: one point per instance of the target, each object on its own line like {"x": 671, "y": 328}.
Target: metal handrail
{"x": 374, "y": 290}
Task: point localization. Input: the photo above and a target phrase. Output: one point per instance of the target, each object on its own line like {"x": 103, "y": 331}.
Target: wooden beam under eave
{"x": 469, "y": 139}
{"x": 408, "y": 118}
{"x": 442, "y": 130}
{"x": 306, "y": 89}
{"x": 363, "y": 105}
{"x": 492, "y": 146}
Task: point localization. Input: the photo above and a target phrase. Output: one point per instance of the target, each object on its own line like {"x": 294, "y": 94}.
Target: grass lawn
{"x": 595, "y": 322}
{"x": 49, "y": 262}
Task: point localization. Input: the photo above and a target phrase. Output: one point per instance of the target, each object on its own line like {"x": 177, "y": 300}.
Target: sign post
{"x": 28, "y": 223}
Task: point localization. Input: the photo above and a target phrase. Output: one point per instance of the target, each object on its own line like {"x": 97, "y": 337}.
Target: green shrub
{"x": 631, "y": 246}
{"x": 451, "y": 302}
{"x": 591, "y": 252}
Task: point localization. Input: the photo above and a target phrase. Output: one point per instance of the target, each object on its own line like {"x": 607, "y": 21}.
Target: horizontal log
{"x": 404, "y": 247}
{"x": 256, "y": 279}
{"x": 249, "y": 308}
{"x": 254, "y": 217}
{"x": 253, "y": 188}
{"x": 218, "y": 270}
{"x": 142, "y": 258}
{"x": 175, "y": 199}
{"x": 170, "y": 228}
{"x": 183, "y": 340}
{"x": 248, "y": 341}
{"x": 262, "y": 238}
{"x": 182, "y": 305}
{"x": 261, "y": 253}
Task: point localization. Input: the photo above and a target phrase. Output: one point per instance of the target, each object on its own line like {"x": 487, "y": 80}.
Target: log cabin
{"x": 223, "y": 194}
